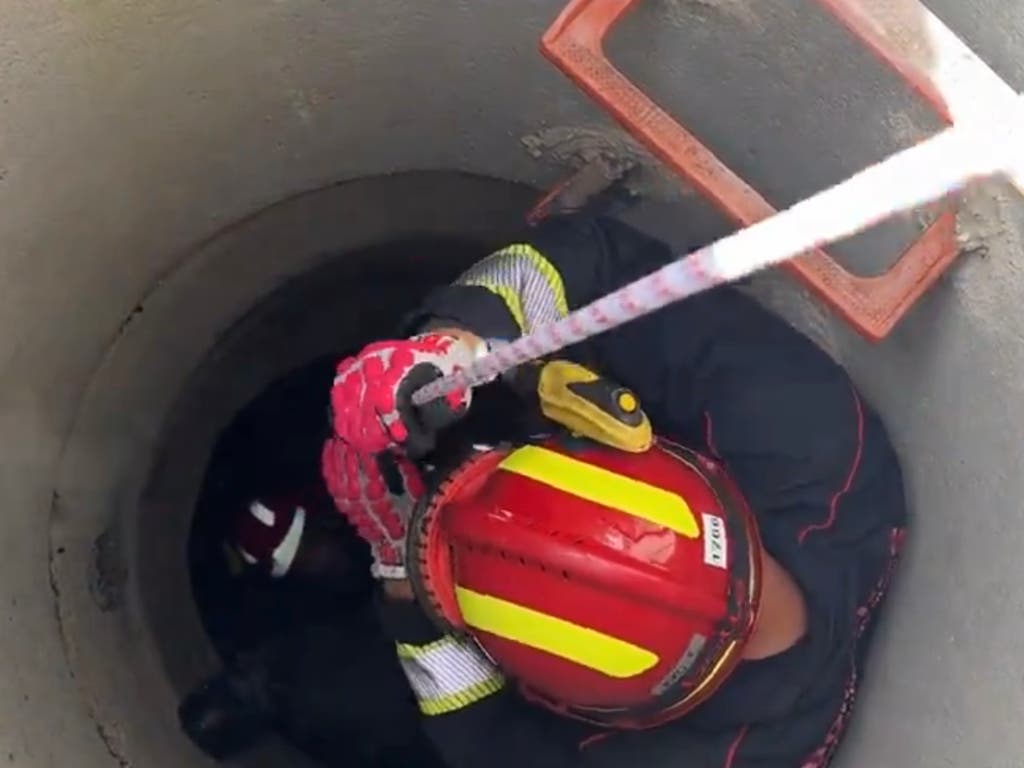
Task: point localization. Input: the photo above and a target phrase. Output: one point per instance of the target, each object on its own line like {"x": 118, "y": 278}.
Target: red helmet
{"x": 268, "y": 532}
{"x": 616, "y": 588}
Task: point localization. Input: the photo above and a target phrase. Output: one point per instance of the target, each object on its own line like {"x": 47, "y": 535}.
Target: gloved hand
{"x": 376, "y": 493}
{"x": 371, "y": 399}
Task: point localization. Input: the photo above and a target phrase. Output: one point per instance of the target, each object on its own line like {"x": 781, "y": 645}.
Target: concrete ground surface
{"x": 192, "y": 199}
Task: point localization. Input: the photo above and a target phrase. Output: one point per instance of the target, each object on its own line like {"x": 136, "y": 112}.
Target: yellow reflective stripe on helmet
{"x": 602, "y": 486}
{"x": 581, "y": 645}
{"x": 448, "y": 674}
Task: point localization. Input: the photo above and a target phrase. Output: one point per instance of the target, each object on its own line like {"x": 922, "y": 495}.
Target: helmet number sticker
{"x": 716, "y": 545}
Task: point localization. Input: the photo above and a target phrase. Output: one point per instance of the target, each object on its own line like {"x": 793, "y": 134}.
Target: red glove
{"x": 378, "y": 507}
{"x": 267, "y": 534}
{"x": 371, "y": 400}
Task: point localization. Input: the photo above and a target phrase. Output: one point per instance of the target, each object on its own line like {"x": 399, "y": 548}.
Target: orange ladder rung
{"x": 872, "y": 305}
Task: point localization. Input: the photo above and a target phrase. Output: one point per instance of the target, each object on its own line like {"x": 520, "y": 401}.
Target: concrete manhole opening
{"x": 164, "y": 179}
{"x": 297, "y": 282}
{"x": 242, "y": 400}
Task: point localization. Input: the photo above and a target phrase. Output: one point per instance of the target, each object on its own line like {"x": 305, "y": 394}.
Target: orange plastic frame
{"x": 872, "y": 305}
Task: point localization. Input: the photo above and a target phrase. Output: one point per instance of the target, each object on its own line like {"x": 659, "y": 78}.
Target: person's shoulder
{"x": 604, "y": 235}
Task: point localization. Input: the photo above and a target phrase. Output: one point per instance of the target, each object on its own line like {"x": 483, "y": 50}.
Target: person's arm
{"x": 481, "y": 721}
{"x": 716, "y": 371}
{"x": 564, "y": 264}
{"x": 561, "y": 265}
{"x": 473, "y": 716}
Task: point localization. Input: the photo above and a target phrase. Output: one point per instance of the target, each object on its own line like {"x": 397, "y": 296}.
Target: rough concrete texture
{"x": 132, "y": 131}
{"x": 615, "y": 152}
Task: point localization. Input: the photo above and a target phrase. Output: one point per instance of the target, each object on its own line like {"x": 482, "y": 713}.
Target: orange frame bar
{"x": 872, "y": 305}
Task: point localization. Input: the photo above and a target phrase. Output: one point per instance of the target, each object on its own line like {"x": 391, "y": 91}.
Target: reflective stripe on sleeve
{"x": 448, "y": 674}
{"x": 527, "y": 283}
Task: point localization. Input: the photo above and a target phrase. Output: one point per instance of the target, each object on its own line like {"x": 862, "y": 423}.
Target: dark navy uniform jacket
{"x": 718, "y": 373}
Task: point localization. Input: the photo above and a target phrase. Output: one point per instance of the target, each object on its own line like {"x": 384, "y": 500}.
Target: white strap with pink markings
{"x": 924, "y": 173}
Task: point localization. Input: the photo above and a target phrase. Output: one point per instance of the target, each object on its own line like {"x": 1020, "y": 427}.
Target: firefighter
{"x": 705, "y": 599}
{"x": 295, "y": 536}
{"x": 286, "y": 596}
